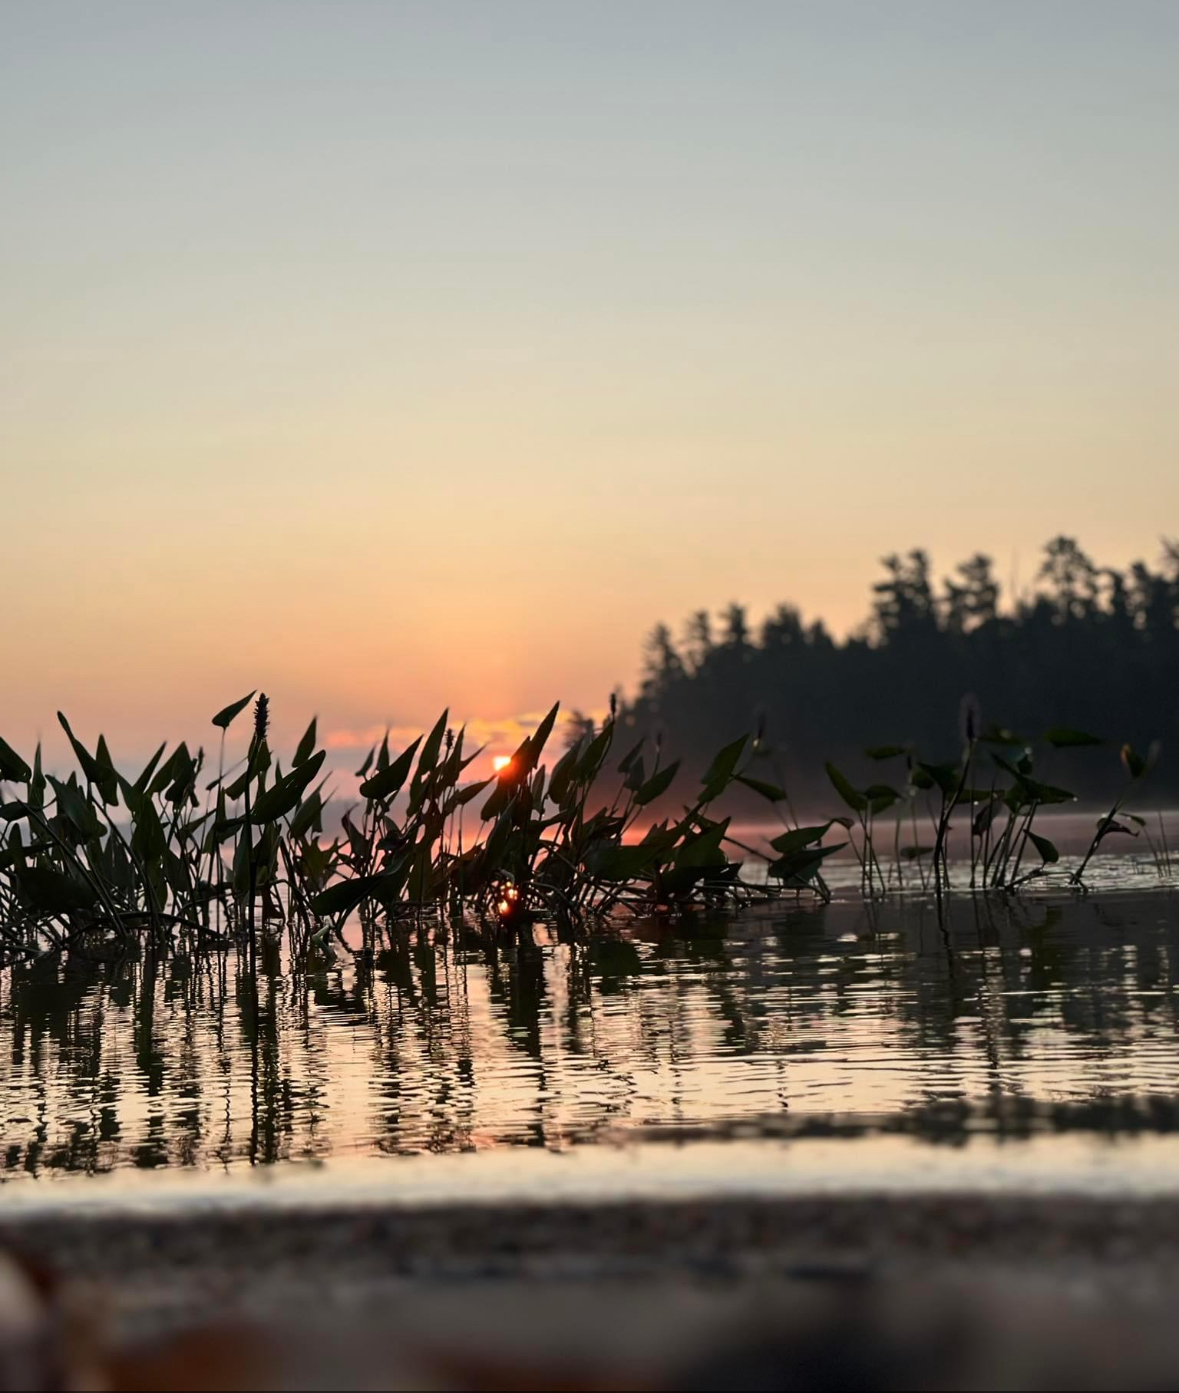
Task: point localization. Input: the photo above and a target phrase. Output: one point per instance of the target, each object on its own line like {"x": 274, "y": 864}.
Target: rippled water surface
{"x": 997, "y": 1020}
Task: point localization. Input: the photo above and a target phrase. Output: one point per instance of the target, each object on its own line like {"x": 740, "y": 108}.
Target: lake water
{"x": 1019, "y": 1043}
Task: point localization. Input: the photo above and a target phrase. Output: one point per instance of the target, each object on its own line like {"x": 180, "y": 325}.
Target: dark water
{"x": 1000, "y": 1019}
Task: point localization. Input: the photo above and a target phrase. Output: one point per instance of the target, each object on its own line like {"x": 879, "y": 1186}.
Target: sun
{"x": 500, "y": 762}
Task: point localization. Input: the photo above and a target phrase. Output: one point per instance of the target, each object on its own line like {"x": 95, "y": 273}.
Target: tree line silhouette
{"x": 1090, "y": 646}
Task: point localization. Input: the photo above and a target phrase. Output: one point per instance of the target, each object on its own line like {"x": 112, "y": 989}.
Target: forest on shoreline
{"x": 1090, "y": 646}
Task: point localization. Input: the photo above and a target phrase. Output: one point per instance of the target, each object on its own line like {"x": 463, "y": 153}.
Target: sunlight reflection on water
{"x": 851, "y": 1025}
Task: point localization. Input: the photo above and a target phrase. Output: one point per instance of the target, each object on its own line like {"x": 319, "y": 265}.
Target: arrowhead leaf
{"x": 225, "y": 716}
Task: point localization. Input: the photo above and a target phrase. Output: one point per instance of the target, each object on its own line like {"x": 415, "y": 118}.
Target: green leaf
{"x": 225, "y": 716}
{"x": 613, "y": 862}
{"x": 148, "y": 841}
{"x": 164, "y": 775}
{"x": 1029, "y": 790}
{"x": 454, "y": 764}
{"x": 388, "y": 781}
{"x": 1106, "y": 826}
{"x": 344, "y": 896}
{"x": 539, "y": 739}
{"x": 144, "y": 779}
{"x": 563, "y": 775}
{"x": 851, "y": 796}
{"x": 76, "y": 808}
{"x": 771, "y": 792}
{"x": 1010, "y": 768}
{"x": 703, "y": 852}
{"x": 1047, "y": 794}
{"x": 656, "y": 785}
{"x": 629, "y": 758}
{"x": 433, "y": 745}
{"x": 102, "y": 757}
{"x": 54, "y": 892}
{"x": 421, "y": 887}
{"x": 501, "y": 796}
{"x": 307, "y": 744}
{"x": 1065, "y": 738}
{"x": 661, "y": 837}
{"x": 884, "y": 751}
{"x": 595, "y": 753}
{"x": 94, "y": 772}
{"x": 946, "y": 776}
{"x": 183, "y": 776}
{"x": 462, "y": 796}
{"x": 720, "y": 771}
{"x": 1048, "y": 852}
{"x": 37, "y": 782}
{"x": 620, "y": 863}
{"x": 802, "y": 866}
{"x": 636, "y": 776}
{"x": 881, "y": 797}
{"x": 12, "y": 767}
{"x": 308, "y": 816}
{"x": 16, "y": 853}
{"x": 789, "y": 842}
{"x": 284, "y": 797}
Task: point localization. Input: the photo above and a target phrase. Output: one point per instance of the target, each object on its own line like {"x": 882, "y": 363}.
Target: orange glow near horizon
{"x": 413, "y": 397}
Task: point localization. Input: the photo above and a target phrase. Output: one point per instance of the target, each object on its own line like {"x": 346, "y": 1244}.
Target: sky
{"x": 390, "y": 355}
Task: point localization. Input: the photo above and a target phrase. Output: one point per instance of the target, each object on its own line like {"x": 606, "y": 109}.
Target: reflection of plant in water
{"x": 454, "y": 1036}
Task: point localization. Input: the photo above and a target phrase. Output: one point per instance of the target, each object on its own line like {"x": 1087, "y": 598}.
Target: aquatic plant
{"x": 1137, "y": 768}
{"x": 996, "y": 847}
{"x": 101, "y": 853}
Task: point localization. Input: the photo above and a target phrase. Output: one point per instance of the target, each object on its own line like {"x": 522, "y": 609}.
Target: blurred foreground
{"x": 957, "y": 1292}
